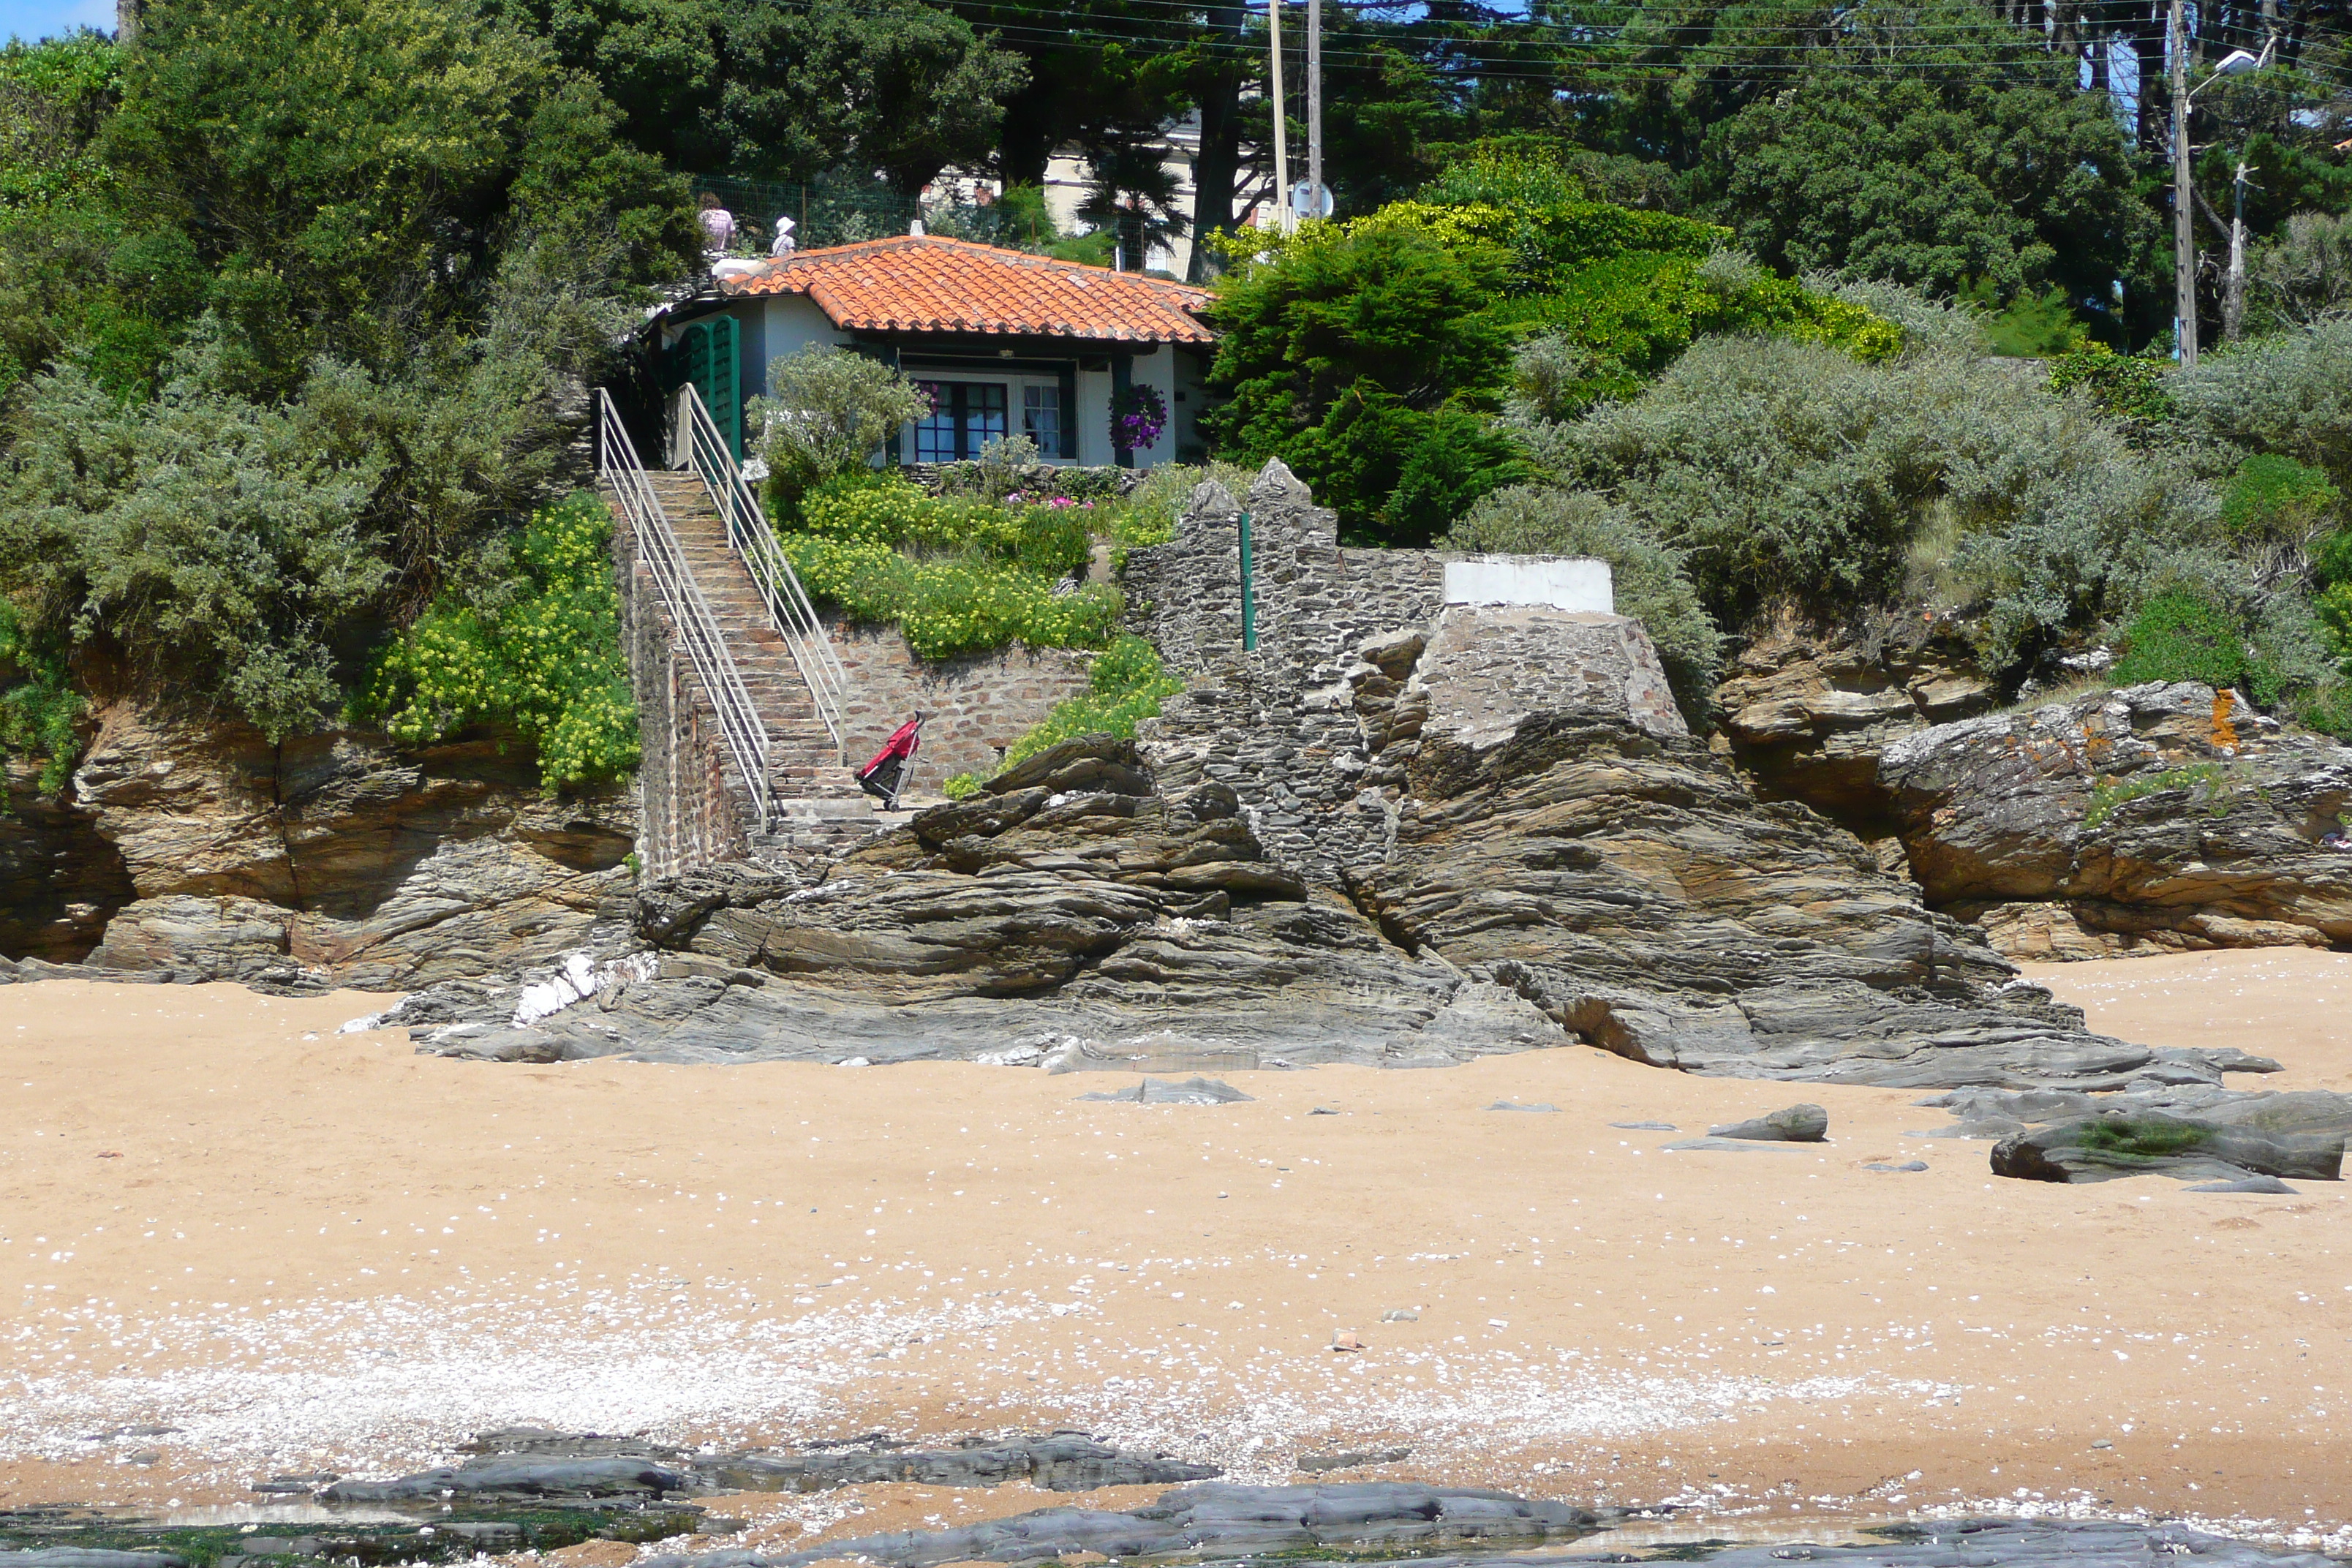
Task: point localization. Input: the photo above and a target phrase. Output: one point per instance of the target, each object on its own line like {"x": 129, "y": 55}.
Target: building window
{"x": 1041, "y": 418}
{"x": 965, "y": 416}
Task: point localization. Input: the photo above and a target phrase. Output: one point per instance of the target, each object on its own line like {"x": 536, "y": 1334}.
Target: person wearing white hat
{"x": 784, "y": 242}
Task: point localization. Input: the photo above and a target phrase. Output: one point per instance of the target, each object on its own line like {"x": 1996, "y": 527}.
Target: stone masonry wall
{"x": 1312, "y": 729}
{"x": 693, "y": 806}
{"x": 973, "y": 706}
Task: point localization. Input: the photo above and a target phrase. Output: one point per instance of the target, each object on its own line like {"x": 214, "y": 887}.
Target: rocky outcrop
{"x": 335, "y": 858}
{"x": 1485, "y": 830}
{"x": 60, "y": 880}
{"x": 1071, "y": 917}
{"x": 1625, "y": 881}
{"x": 2160, "y": 817}
{"x": 1806, "y": 714}
{"x": 524, "y": 1462}
{"x": 1220, "y": 1520}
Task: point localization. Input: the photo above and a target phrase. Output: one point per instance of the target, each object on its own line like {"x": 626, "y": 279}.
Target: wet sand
{"x": 304, "y": 1250}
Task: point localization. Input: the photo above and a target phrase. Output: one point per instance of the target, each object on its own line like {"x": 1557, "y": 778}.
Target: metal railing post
{"x": 1249, "y": 592}
{"x": 697, "y": 627}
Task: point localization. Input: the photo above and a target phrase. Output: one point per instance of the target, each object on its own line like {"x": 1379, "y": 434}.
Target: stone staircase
{"x": 807, "y": 776}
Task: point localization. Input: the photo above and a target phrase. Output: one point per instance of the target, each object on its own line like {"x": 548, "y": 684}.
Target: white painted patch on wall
{"x": 1556, "y": 582}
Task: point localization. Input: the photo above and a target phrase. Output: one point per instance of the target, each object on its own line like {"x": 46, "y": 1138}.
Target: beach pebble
{"x": 1514, "y": 1105}
{"x": 1905, "y": 1166}
{"x": 1647, "y": 1126}
{"x": 1399, "y": 1315}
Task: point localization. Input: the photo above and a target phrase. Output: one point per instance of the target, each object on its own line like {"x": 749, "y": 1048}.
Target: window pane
{"x": 935, "y": 434}
{"x": 1041, "y": 418}
{"x": 983, "y": 414}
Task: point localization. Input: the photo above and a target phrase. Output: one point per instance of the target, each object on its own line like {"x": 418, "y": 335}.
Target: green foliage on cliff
{"x": 1373, "y": 355}
{"x": 538, "y": 648}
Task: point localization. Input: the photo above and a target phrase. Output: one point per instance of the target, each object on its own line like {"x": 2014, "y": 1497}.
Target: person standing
{"x": 718, "y": 224}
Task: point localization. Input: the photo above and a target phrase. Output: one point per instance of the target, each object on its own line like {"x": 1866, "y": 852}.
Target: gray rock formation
{"x": 521, "y": 1476}
{"x": 89, "y": 1557}
{"x": 1366, "y": 1516}
{"x": 1159, "y": 1091}
{"x": 201, "y": 852}
{"x": 531, "y": 1463}
{"x": 2010, "y": 1544}
{"x": 1484, "y": 829}
{"x": 2152, "y": 819}
{"x": 2117, "y": 1142}
{"x": 1807, "y": 715}
{"x": 1793, "y": 1124}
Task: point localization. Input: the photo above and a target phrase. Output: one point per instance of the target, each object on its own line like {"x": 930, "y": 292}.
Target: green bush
{"x": 2289, "y": 394}
{"x": 547, "y": 660}
{"x": 2178, "y": 636}
{"x": 40, "y": 713}
{"x": 1046, "y": 537}
{"x": 2274, "y": 498}
{"x": 1613, "y": 325}
{"x": 2136, "y": 392}
{"x": 1149, "y": 512}
{"x": 1648, "y": 577}
{"x": 1126, "y": 685}
{"x": 951, "y": 607}
{"x": 826, "y": 411}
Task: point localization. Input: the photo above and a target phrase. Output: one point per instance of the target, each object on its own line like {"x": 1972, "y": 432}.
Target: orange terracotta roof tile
{"x": 920, "y": 284}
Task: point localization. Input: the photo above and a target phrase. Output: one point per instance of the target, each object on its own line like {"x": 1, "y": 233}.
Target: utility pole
{"x": 1315, "y": 100}
{"x": 2184, "y": 217}
{"x": 1286, "y": 218}
{"x": 2233, "y": 292}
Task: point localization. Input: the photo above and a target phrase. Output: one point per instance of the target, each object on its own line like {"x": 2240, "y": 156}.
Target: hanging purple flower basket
{"x": 1138, "y": 415}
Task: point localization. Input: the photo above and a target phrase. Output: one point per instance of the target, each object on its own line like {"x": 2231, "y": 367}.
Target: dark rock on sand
{"x": 1316, "y": 1464}
{"x": 2121, "y": 1143}
{"x": 1065, "y": 1462}
{"x": 1805, "y": 1123}
{"x": 521, "y": 1475}
{"x": 1216, "y": 1518}
{"x": 1191, "y": 1091}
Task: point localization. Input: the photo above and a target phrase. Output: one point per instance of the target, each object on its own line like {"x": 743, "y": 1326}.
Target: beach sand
{"x": 302, "y": 1251}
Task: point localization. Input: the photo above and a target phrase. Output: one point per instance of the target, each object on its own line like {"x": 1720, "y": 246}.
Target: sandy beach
{"x": 301, "y": 1250}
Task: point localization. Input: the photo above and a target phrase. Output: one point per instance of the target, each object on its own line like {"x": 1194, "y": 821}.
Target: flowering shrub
{"x": 548, "y": 659}
{"x": 947, "y": 607}
{"x": 1138, "y": 415}
{"x": 956, "y": 574}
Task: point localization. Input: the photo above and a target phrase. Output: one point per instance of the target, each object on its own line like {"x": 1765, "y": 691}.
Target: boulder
{"x": 2153, "y": 818}
{"x": 2122, "y": 1144}
{"x": 1795, "y": 1124}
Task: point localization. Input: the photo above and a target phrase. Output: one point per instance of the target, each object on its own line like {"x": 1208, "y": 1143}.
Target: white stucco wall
{"x": 1558, "y": 581}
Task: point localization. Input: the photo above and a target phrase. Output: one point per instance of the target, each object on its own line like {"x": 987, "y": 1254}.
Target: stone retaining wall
{"x": 973, "y": 706}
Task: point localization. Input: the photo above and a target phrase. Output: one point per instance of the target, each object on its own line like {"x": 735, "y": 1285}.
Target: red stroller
{"x": 885, "y": 775}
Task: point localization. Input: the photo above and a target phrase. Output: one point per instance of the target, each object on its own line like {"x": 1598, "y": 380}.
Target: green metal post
{"x": 1249, "y": 594}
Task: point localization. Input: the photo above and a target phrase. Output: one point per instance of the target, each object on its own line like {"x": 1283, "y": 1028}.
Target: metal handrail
{"x": 789, "y": 609}
{"x": 690, "y": 612}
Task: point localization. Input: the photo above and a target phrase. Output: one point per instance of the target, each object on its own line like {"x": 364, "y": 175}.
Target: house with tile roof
{"x": 1006, "y": 344}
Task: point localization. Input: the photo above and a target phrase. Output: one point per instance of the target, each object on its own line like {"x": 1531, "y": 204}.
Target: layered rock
{"x": 334, "y": 857}
{"x": 2158, "y": 817}
{"x": 1070, "y": 917}
{"x": 1807, "y": 714}
{"x": 1489, "y": 830}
